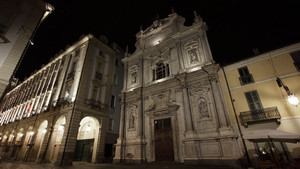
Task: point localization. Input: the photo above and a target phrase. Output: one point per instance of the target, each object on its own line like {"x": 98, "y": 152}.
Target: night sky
{"x": 235, "y": 26}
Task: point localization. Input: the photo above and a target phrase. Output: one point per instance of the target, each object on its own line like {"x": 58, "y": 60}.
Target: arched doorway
{"x": 58, "y": 133}
{"x": 87, "y": 140}
{"x": 17, "y": 143}
{"x": 41, "y": 136}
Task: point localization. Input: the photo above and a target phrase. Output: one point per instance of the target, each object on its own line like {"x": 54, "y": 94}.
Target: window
{"x": 111, "y": 125}
{"x": 161, "y": 71}
{"x": 253, "y": 100}
{"x": 115, "y": 79}
{"x": 113, "y": 101}
{"x": 98, "y": 74}
{"x": 296, "y": 58}
{"x": 95, "y": 93}
{"x": 245, "y": 76}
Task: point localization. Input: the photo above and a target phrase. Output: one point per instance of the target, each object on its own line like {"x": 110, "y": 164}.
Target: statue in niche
{"x": 133, "y": 77}
{"x": 193, "y": 55}
{"x": 131, "y": 120}
{"x": 203, "y": 109}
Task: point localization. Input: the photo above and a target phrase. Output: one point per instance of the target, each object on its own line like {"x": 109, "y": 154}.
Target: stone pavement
{"x": 82, "y": 165}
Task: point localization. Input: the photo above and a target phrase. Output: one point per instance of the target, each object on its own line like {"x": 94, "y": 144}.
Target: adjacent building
{"x": 172, "y": 104}
{"x": 260, "y": 93}
{"x": 63, "y": 111}
{"x": 18, "y": 22}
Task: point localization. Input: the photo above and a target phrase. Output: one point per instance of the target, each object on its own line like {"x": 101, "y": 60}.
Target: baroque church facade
{"x": 172, "y": 106}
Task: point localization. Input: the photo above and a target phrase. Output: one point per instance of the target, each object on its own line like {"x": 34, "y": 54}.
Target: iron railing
{"x": 258, "y": 115}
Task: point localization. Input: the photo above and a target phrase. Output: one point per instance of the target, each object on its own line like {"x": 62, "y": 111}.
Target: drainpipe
{"x": 236, "y": 119}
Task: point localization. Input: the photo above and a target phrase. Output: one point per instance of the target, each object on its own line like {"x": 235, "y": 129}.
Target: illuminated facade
{"x": 18, "y": 23}
{"x": 260, "y": 87}
{"x": 172, "y": 107}
{"x": 61, "y": 113}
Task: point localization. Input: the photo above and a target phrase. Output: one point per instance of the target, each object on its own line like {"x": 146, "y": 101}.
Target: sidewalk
{"x": 83, "y": 165}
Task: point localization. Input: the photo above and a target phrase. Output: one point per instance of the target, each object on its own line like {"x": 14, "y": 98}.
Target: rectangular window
{"x": 245, "y": 76}
{"x": 95, "y": 93}
{"x": 253, "y": 100}
{"x": 111, "y": 125}
{"x": 113, "y": 101}
{"x": 115, "y": 79}
{"x": 296, "y": 58}
{"x": 98, "y": 74}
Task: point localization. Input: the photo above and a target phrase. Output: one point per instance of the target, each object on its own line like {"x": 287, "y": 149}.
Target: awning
{"x": 274, "y": 135}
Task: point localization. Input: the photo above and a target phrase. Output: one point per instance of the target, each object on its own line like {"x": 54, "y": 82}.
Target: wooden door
{"x": 84, "y": 150}
{"x": 164, "y": 150}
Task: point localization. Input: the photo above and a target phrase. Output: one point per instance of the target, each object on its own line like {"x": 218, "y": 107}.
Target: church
{"x": 172, "y": 107}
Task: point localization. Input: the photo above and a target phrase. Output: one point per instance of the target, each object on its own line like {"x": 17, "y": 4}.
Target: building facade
{"x": 257, "y": 90}
{"x": 61, "y": 112}
{"x": 18, "y": 23}
{"x": 172, "y": 107}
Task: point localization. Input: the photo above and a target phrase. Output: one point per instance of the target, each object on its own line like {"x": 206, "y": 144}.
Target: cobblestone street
{"x": 80, "y": 165}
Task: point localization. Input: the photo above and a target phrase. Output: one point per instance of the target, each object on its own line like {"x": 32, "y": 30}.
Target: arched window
{"x": 161, "y": 71}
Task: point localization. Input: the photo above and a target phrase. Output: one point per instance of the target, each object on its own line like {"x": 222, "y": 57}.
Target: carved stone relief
{"x": 161, "y": 103}
{"x": 200, "y": 96}
{"x": 192, "y": 51}
{"x": 132, "y": 117}
{"x": 159, "y": 100}
{"x": 203, "y": 108}
{"x": 133, "y": 71}
{"x": 159, "y": 56}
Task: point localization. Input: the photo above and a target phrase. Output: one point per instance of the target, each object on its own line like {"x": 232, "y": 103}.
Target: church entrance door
{"x": 164, "y": 150}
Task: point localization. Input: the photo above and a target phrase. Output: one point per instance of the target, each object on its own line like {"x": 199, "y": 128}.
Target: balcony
{"x": 259, "y": 115}
{"x": 246, "y": 79}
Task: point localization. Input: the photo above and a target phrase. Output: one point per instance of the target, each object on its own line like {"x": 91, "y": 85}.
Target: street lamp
{"x": 291, "y": 98}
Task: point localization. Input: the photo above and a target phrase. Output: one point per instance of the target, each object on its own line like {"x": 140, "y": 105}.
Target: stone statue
{"x": 131, "y": 120}
{"x": 193, "y": 55}
{"x": 203, "y": 108}
{"x": 133, "y": 77}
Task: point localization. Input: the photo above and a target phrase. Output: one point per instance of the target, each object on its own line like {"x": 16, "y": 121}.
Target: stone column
{"x": 218, "y": 101}
{"x": 119, "y": 152}
{"x": 67, "y": 147}
{"x": 187, "y": 111}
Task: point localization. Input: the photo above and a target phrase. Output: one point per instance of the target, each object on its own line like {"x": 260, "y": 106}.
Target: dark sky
{"x": 235, "y": 26}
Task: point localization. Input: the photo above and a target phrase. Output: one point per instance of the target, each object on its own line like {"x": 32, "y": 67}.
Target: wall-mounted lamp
{"x": 291, "y": 98}
{"x": 88, "y": 128}
{"x": 26, "y": 34}
{"x": 61, "y": 127}
{"x": 31, "y": 133}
